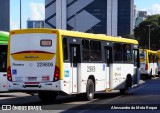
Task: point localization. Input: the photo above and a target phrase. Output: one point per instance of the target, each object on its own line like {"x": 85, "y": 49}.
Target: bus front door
{"x": 75, "y": 59}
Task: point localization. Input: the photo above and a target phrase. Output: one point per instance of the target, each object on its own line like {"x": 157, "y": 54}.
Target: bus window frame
{"x": 71, "y": 40}
{"x": 65, "y": 60}
{"x": 120, "y": 61}
{"x": 90, "y": 60}
{"x": 136, "y": 60}
{"x": 122, "y": 54}
{"x": 131, "y": 53}
{"x": 92, "y": 51}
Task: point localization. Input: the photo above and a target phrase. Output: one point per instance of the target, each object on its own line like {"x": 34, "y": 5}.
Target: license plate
{"x": 32, "y": 78}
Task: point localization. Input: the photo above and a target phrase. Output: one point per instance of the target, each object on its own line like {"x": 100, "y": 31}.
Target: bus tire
{"x": 47, "y": 97}
{"x": 129, "y": 81}
{"x": 150, "y": 75}
{"x": 128, "y": 85}
{"x": 89, "y": 90}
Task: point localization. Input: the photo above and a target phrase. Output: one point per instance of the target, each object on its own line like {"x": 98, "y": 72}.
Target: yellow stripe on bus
{"x": 32, "y": 56}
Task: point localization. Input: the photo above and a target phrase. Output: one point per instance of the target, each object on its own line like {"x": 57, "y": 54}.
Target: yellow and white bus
{"x": 3, "y": 60}
{"x": 148, "y": 63}
{"x": 52, "y": 62}
{"x": 158, "y": 55}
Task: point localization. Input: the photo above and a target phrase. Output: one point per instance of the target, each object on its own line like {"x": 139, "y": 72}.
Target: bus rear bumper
{"x": 31, "y": 86}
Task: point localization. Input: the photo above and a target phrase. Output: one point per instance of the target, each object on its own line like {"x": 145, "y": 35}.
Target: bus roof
{"x": 4, "y": 37}
{"x": 98, "y": 36}
{"x": 76, "y": 34}
{"x": 150, "y": 51}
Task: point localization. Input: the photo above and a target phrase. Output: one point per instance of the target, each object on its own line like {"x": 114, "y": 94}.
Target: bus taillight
{"x": 146, "y": 68}
{"x": 56, "y": 74}
{"x": 9, "y": 75}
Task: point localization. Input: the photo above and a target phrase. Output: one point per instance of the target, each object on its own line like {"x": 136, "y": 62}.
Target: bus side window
{"x": 95, "y": 50}
{"x": 150, "y": 58}
{"x": 136, "y": 58}
{"x": 117, "y": 50}
{"x": 65, "y": 49}
{"x": 127, "y": 56}
{"x": 85, "y": 50}
{"x": 157, "y": 60}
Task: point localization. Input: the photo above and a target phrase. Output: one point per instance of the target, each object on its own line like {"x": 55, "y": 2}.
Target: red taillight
{"x": 9, "y": 75}
{"x": 56, "y": 74}
{"x": 146, "y": 68}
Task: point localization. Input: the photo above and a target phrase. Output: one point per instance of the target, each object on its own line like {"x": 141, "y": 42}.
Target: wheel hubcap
{"x": 90, "y": 91}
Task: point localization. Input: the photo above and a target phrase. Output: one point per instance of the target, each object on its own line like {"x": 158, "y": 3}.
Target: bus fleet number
{"x": 91, "y": 68}
{"x": 44, "y": 64}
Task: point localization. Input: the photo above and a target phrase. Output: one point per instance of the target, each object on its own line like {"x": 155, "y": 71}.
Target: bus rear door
{"x": 108, "y": 60}
{"x": 74, "y": 60}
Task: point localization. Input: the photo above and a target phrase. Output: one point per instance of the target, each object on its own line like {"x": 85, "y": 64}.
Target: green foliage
{"x": 142, "y": 32}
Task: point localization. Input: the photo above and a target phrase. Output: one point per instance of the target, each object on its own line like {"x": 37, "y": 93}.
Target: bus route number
{"x": 44, "y": 64}
{"x": 91, "y": 68}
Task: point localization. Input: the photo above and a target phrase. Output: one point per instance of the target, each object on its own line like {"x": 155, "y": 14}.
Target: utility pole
{"x": 20, "y": 14}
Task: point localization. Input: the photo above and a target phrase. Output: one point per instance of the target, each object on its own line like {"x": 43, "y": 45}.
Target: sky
{"x": 30, "y": 9}
{"x": 35, "y": 10}
{"x": 151, "y": 6}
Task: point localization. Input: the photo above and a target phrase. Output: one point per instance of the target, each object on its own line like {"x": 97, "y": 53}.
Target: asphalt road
{"x": 142, "y": 99}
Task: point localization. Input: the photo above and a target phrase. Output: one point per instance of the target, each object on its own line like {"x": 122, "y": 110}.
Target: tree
{"x": 142, "y": 32}
{"x": 129, "y": 36}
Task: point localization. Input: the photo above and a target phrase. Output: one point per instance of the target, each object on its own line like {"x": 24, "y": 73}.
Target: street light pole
{"x": 149, "y": 34}
{"x": 20, "y": 14}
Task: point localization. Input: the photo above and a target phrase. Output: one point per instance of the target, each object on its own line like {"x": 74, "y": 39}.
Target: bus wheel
{"x": 47, "y": 97}
{"x": 127, "y": 86}
{"x": 90, "y": 90}
{"x": 150, "y": 75}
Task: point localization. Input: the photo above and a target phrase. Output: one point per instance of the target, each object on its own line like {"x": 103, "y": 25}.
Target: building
{"x": 141, "y": 16}
{"x": 4, "y": 15}
{"x": 35, "y": 23}
{"x": 135, "y": 15}
{"x": 139, "y": 20}
{"x": 111, "y": 17}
